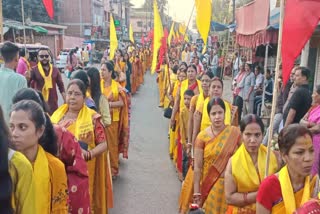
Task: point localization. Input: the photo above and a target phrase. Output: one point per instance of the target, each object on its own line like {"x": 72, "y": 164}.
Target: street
{"x": 148, "y": 182}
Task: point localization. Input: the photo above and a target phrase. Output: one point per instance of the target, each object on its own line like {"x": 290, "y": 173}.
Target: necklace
{"x": 212, "y": 130}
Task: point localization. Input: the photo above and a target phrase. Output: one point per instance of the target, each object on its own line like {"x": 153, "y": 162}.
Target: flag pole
{"x": 1, "y": 22}
{"x": 265, "y": 77}
{"x": 194, "y": 5}
{"x": 275, "y": 86}
{"x": 23, "y": 24}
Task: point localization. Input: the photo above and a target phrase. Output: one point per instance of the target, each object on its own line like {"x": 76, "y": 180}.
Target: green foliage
{"x": 33, "y": 9}
{"x": 221, "y": 12}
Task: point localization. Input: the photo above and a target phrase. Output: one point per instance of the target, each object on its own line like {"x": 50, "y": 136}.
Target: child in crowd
{"x": 184, "y": 117}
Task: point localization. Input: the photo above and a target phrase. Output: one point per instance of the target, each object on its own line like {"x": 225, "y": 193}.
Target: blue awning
{"x": 216, "y": 26}
{"x": 274, "y": 19}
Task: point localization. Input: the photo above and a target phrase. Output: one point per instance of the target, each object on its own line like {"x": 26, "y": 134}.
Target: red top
{"x": 37, "y": 82}
{"x": 269, "y": 193}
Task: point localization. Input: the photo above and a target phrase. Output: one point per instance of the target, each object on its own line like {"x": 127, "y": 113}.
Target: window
{"x": 139, "y": 23}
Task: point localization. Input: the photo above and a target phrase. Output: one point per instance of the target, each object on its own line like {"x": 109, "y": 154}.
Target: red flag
{"x": 300, "y": 20}
{"x": 48, "y": 4}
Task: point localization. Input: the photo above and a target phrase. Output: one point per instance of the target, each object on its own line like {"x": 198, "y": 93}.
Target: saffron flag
{"x": 182, "y": 29}
{"x": 203, "y": 18}
{"x": 171, "y": 33}
{"x": 157, "y": 35}
{"x": 113, "y": 38}
{"x": 48, "y": 5}
{"x": 131, "y": 34}
{"x": 300, "y": 20}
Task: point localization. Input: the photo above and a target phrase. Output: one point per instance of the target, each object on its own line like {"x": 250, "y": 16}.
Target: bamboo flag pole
{"x": 194, "y": 5}
{"x": 275, "y": 86}
{"x": 265, "y": 77}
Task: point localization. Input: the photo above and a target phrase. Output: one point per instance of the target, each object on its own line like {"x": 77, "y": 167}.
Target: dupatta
{"x": 224, "y": 145}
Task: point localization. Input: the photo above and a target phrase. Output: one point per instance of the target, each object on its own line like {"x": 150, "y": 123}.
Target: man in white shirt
{"x": 236, "y": 65}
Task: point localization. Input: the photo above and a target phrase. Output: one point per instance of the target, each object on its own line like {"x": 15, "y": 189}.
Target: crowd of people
{"x": 220, "y": 149}
{"x": 63, "y": 158}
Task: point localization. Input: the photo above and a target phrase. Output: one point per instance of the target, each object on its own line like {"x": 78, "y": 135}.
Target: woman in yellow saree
{"x": 118, "y": 131}
{"x": 293, "y": 186}
{"x": 173, "y": 133}
{"x": 87, "y": 127}
{"x": 214, "y": 146}
{"x": 189, "y": 84}
{"x": 119, "y": 67}
{"x": 201, "y": 118}
{"x": 247, "y": 168}
{"x": 27, "y": 126}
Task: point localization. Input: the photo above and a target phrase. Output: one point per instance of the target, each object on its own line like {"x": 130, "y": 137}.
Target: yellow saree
{"x": 173, "y": 133}
{"x": 85, "y": 129}
{"x": 205, "y": 120}
{"x": 217, "y": 152}
{"x": 161, "y": 85}
{"x": 118, "y": 132}
{"x": 292, "y": 201}
{"x": 246, "y": 176}
{"x": 50, "y": 184}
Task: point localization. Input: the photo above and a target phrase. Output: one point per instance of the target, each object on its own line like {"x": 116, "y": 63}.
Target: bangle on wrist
{"x": 245, "y": 198}
{"x": 90, "y": 155}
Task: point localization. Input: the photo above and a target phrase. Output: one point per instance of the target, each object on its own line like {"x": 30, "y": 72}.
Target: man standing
{"x": 45, "y": 77}
{"x": 215, "y": 63}
{"x": 23, "y": 67}
{"x": 10, "y": 82}
{"x": 301, "y": 99}
{"x": 236, "y": 64}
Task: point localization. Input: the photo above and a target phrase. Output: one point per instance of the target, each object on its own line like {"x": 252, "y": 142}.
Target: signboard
{"x": 117, "y": 22}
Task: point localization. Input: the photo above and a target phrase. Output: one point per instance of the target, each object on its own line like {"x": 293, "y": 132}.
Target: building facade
{"x": 84, "y": 18}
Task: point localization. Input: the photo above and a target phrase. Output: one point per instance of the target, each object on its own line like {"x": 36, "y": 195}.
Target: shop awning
{"x": 40, "y": 29}
{"x": 19, "y": 26}
{"x": 216, "y": 26}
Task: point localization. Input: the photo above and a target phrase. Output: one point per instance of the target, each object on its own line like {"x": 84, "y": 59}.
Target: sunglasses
{"x": 44, "y": 56}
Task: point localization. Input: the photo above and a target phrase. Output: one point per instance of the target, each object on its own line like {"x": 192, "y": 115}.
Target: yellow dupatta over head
{"x": 114, "y": 91}
{"x": 47, "y": 80}
{"x": 83, "y": 126}
{"x": 289, "y": 197}
{"x": 205, "y": 121}
{"x": 246, "y": 176}
{"x": 83, "y": 129}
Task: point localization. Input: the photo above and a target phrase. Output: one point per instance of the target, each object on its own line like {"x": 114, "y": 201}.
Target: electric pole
{"x": 1, "y": 22}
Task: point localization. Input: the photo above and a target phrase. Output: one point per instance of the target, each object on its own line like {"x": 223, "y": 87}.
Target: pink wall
{"x": 72, "y": 42}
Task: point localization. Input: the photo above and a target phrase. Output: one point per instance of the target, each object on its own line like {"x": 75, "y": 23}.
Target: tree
{"x": 33, "y": 9}
{"x": 221, "y": 11}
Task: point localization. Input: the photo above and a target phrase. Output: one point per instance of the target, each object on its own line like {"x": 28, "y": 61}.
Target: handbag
{"x": 167, "y": 112}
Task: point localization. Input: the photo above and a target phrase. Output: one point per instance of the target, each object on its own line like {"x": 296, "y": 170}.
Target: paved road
{"x": 148, "y": 181}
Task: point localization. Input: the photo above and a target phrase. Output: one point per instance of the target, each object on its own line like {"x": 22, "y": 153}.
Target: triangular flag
{"x": 301, "y": 18}
{"x": 203, "y": 18}
{"x": 157, "y": 36}
{"x": 131, "y": 34}
{"x": 113, "y": 38}
{"x": 48, "y": 5}
{"x": 171, "y": 33}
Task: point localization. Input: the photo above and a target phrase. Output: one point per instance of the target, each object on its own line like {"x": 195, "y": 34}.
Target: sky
{"x": 180, "y": 10}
